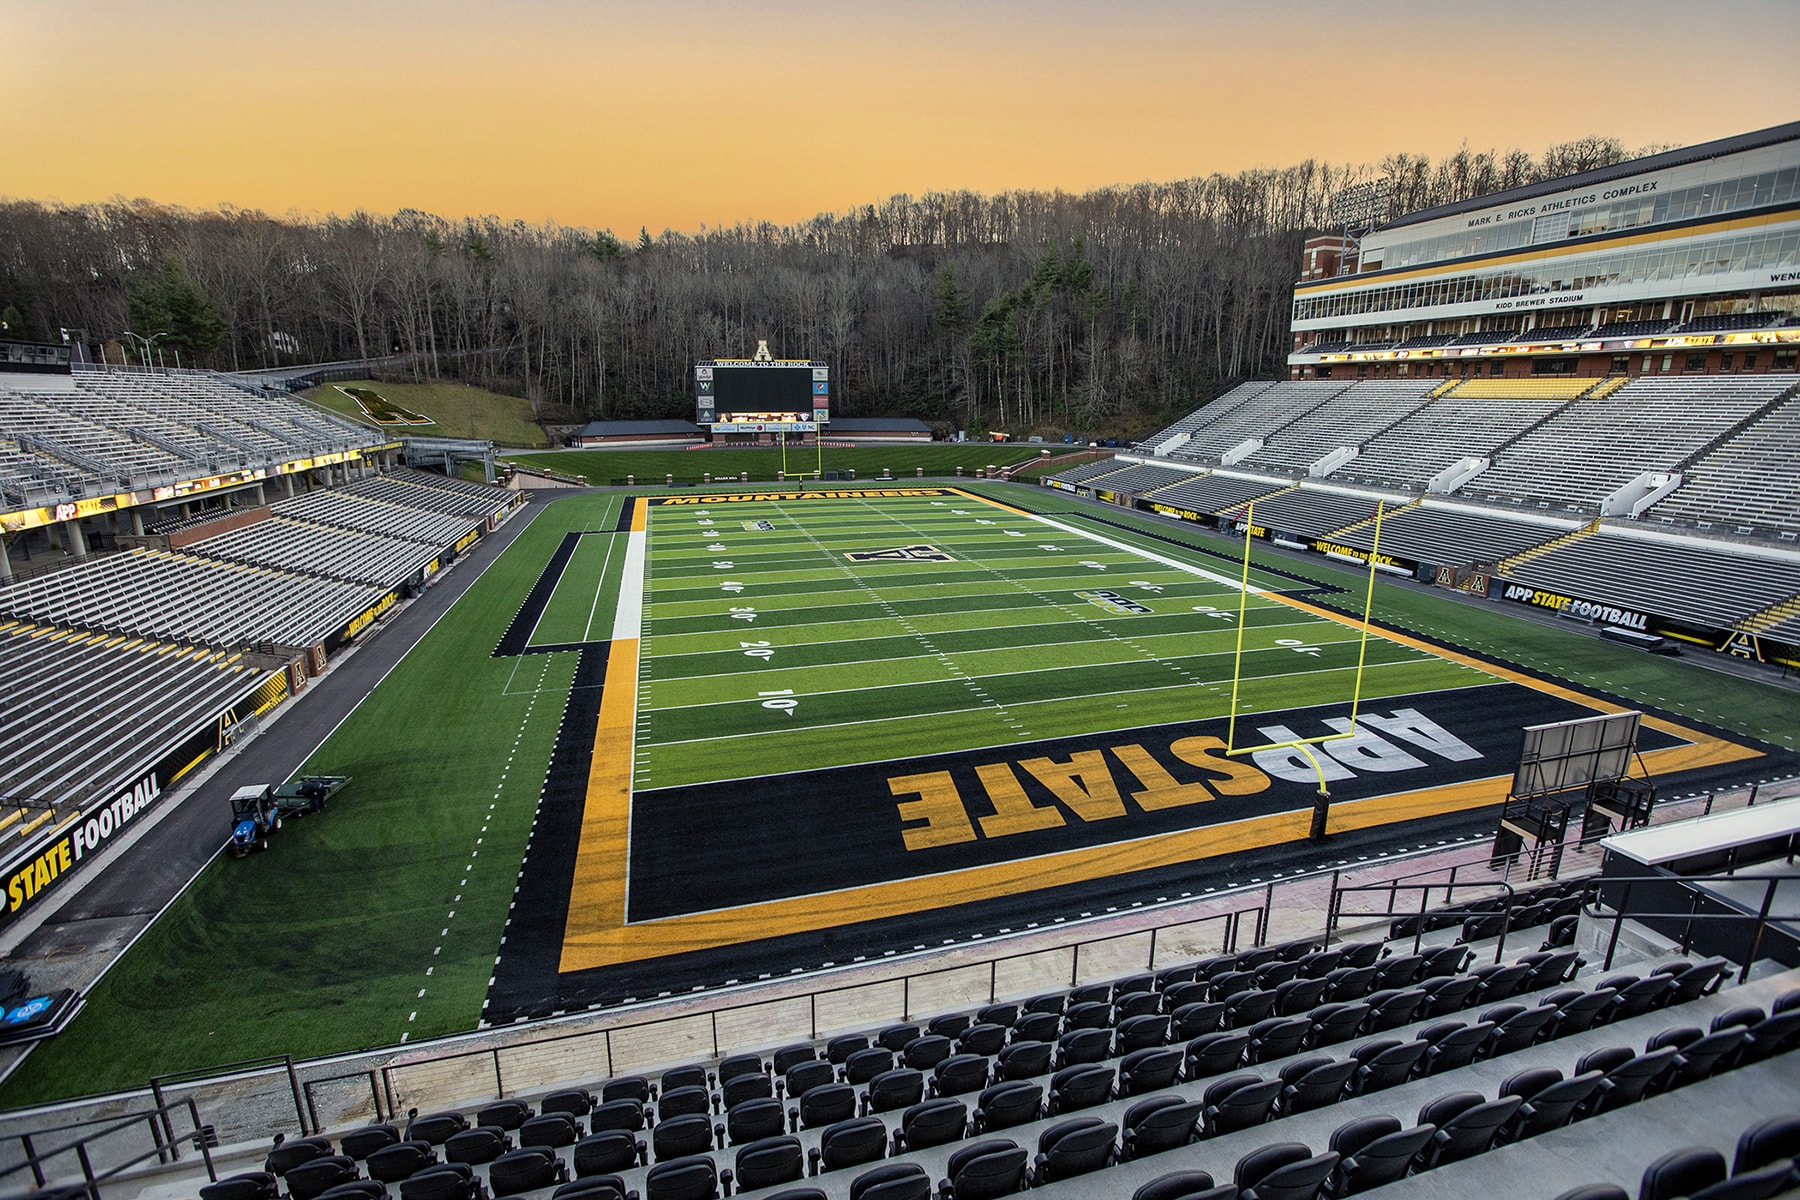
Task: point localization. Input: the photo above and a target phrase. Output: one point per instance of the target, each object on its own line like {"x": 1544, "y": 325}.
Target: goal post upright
{"x": 1301, "y": 746}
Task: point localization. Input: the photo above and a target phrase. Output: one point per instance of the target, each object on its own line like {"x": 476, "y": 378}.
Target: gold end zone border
{"x": 597, "y": 935}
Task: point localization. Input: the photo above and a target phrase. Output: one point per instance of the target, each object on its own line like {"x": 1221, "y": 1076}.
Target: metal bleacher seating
{"x": 356, "y": 555}
{"x": 116, "y": 697}
{"x": 1082, "y": 472}
{"x": 1714, "y": 586}
{"x": 1350, "y": 419}
{"x": 1748, "y": 485}
{"x": 1578, "y": 457}
{"x": 1257, "y": 416}
{"x": 1201, "y": 416}
{"x": 1298, "y": 1071}
{"x": 1469, "y": 421}
{"x": 1139, "y": 477}
{"x": 186, "y": 598}
{"x": 336, "y": 506}
{"x": 100, "y": 432}
{"x": 1216, "y": 493}
{"x": 434, "y": 493}
{"x": 1457, "y": 536}
{"x": 1314, "y": 512}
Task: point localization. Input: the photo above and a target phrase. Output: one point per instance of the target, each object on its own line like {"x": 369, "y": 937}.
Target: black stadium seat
{"x": 1074, "y": 1147}
{"x": 307, "y": 1180}
{"x": 931, "y": 1123}
{"x": 1375, "y": 1151}
{"x": 891, "y": 1181}
{"x": 525, "y": 1170}
{"x": 769, "y": 1162}
{"x": 1007, "y": 1104}
{"x": 613, "y": 1151}
{"x": 249, "y": 1185}
{"x": 1159, "y": 1123}
{"x": 985, "y": 1170}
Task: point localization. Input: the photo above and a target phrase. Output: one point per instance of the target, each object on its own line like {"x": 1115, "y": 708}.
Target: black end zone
{"x": 513, "y": 641}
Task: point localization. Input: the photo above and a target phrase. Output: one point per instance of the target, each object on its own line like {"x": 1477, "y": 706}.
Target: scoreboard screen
{"x": 762, "y": 394}
{"x": 759, "y": 388}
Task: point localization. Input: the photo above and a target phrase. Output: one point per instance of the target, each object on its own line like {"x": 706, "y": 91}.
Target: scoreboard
{"x": 763, "y": 394}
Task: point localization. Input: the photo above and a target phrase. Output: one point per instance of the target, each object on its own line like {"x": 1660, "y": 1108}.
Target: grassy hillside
{"x": 460, "y": 411}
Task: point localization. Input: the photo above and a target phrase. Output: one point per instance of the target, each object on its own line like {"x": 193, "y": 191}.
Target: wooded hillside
{"x": 1105, "y": 311}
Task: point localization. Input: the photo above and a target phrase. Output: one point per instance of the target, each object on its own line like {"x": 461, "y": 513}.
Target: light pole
{"x": 147, "y": 341}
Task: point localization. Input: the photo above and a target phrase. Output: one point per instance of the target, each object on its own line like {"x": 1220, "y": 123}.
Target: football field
{"x": 793, "y": 635}
{"x": 824, "y": 716}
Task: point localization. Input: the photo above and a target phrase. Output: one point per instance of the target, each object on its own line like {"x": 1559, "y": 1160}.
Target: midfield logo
{"x": 1112, "y": 602}
{"x": 900, "y": 554}
{"x": 758, "y": 526}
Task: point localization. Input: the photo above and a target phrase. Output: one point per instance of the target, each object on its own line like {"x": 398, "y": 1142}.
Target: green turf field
{"x": 768, "y": 647}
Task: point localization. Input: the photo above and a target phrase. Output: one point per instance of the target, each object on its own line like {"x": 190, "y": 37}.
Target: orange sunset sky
{"x": 691, "y": 112}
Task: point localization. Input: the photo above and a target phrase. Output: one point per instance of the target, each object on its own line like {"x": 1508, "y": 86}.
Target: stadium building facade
{"x": 1685, "y": 262}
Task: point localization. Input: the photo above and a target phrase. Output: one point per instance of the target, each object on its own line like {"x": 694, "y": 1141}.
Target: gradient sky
{"x": 692, "y": 112}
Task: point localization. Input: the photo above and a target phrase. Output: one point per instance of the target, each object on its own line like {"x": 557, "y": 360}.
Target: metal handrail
{"x": 1620, "y": 914}
{"x": 1233, "y": 930}
{"x": 164, "y": 1146}
{"x": 1393, "y": 887}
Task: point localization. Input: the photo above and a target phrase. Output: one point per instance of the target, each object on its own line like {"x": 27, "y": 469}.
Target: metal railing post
{"x": 31, "y": 1159}
{"x": 200, "y": 1140}
{"x": 299, "y": 1106}
{"x": 1762, "y": 922}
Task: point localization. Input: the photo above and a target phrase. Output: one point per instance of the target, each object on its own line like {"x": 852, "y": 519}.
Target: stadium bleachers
{"x": 99, "y": 432}
{"x": 1707, "y": 586}
{"x": 1469, "y": 421}
{"x": 1082, "y": 472}
{"x": 1160, "y": 442}
{"x": 1215, "y": 493}
{"x": 1600, "y": 443}
{"x": 1141, "y": 477}
{"x": 1314, "y": 512}
{"x": 1257, "y": 416}
{"x": 1453, "y": 536}
{"x": 119, "y": 701}
{"x": 358, "y": 556}
{"x": 336, "y": 506}
{"x": 433, "y": 493}
{"x": 1748, "y": 485}
{"x": 1349, "y": 420}
{"x": 190, "y": 599}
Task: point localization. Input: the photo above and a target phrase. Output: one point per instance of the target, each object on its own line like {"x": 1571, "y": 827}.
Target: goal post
{"x": 1302, "y": 746}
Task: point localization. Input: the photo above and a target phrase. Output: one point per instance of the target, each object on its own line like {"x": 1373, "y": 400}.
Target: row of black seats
{"x": 1604, "y": 1079}
{"x": 1766, "y": 1164}
{"x": 612, "y": 1146}
{"x": 1371, "y": 1151}
{"x": 1523, "y": 909}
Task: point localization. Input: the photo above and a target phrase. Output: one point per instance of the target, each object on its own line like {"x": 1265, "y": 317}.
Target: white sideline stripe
{"x": 628, "y": 620}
